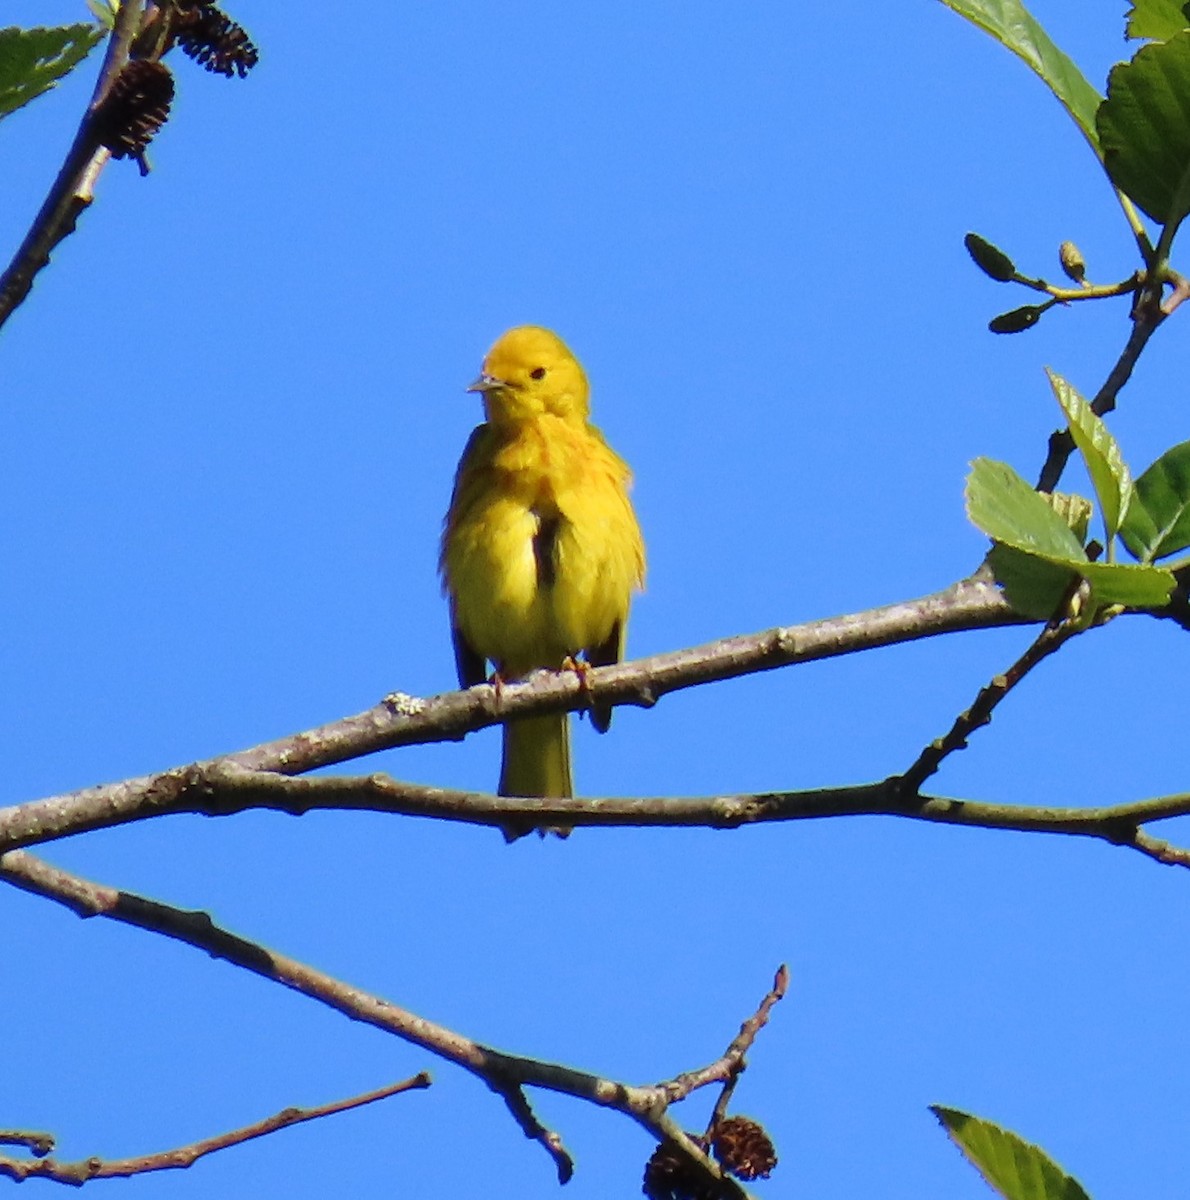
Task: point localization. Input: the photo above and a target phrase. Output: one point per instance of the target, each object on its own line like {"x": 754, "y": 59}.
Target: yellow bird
{"x": 541, "y": 550}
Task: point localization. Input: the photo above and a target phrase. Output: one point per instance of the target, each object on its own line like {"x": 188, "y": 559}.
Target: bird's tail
{"x": 537, "y": 758}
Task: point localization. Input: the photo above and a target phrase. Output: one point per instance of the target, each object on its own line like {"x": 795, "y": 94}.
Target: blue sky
{"x": 233, "y": 407}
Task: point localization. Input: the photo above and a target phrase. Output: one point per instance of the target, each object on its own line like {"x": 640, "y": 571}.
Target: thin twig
{"x": 81, "y": 1172}
{"x": 731, "y": 1062}
{"x": 721, "y": 1105}
{"x": 1147, "y": 315}
{"x": 1088, "y": 291}
{"x": 726, "y": 1070}
{"x": 1052, "y": 638}
{"x": 74, "y": 187}
{"x": 522, "y": 1112}
{"x": 1180, "y": 291}
{"x": 501, "y": 1072}
{"x": 36, "y": 1143}
{"x": 1164, "y": 852}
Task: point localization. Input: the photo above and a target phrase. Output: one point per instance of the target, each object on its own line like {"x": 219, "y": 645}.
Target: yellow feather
{"x": 541, "y": 550}
{"x": 537, "y": 757}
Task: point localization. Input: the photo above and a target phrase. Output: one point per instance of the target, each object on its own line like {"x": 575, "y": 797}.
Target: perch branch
{"x": 263, "y": 777}
{"x": 78, "y": 1173}
{"x": 405, "y": 720}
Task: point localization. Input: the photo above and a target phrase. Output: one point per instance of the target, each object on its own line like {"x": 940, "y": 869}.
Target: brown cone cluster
{"x": 139, "y": 100}
{"x": 214, "y": 40}
{"x": 669, "y": 1175}
{"x": 744, "y": 1148}
{"x": 135, "y": 108}
{"x": 741, "y": 1145}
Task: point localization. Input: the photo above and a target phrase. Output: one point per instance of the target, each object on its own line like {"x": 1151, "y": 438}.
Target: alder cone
{"x": 135, "y": 108}
{"x": 744, "y": 1148}
{"x": 669, "y": 1175}
{"x": 215, "y": 41}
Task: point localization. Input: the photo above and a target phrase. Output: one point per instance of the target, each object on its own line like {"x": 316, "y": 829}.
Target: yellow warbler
{"x": 541, "y": 550}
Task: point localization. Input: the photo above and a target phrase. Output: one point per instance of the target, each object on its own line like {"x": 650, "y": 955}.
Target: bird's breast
{"x": 542, "y": 563}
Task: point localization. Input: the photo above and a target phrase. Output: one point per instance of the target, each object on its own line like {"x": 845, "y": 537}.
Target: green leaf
{"x": 1157, "y": 19}
{"x": 1016, "y": 1169}
{"x": 1010, "y": 23}
{"x": 33, "y": 60}
{"x": 1144, "y": 128}
{"x": 105, "y": 11}
{"x": 1158, "y": 521}
{"x": 1130, "y": 584}
{"x": 1008, "y": 510}
{"x": 1100, "y": 451}
{"x": 1034, "y": 586}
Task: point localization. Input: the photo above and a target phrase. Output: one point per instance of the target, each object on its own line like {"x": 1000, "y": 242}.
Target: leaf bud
{"x": 991, "y": 260}
{"x": 1073, "y": 263}
{"x": 1018, "y": 320}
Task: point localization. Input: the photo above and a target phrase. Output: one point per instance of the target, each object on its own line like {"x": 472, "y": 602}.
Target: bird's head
{"x": 528, "y": 372}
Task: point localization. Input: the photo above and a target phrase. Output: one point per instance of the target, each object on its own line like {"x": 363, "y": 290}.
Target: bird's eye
{"x": 537, "y": 373}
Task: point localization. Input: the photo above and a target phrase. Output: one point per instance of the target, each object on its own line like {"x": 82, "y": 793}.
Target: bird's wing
{"x": 609, "y": 651}
{"x": 469, "y": 663}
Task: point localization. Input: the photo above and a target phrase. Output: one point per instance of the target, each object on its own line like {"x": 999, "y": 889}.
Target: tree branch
{"x": 1147, "y": 315}
{"x": 728, "y": 1066}
{"x": 214, "y": 787}
{"x": 1055, "y": 635}
{"x": 506, "y": 1074}
{"x": 35, "y": 1142}
{"x": 74, "y": 188}
{"x": 726, "y": 1070}
{"x": 78, "y": 1173}
{"x": 1118, "y": 824}
{"x": 224, "y": 788}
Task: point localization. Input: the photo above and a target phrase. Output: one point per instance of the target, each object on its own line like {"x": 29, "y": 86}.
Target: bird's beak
{"x": 486, "y": 383}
